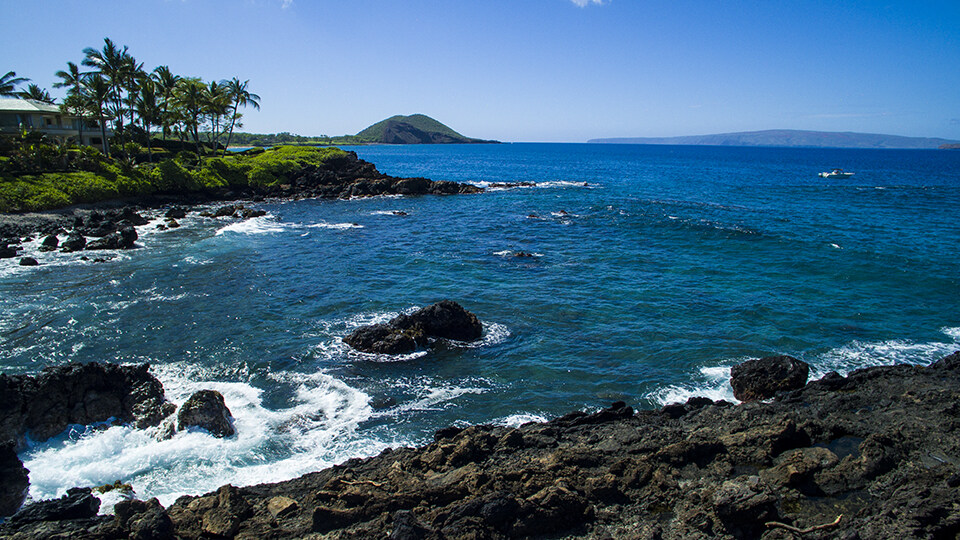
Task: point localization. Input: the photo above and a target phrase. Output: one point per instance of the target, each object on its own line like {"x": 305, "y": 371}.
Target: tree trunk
{"x": 233, "y": 121}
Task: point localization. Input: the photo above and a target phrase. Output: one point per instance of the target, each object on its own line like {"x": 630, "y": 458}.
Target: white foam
{"x": 517, "y": 420}
{"x": 564, "y": 184}
{"x": 511, "y": 253}
{"x": 714, "y": 381}
{"x": 335, "y": 226}
{"x": 860, "y": 354}
{"x": 258, "y": 225}
{"x": 427, "y": 395}
{"x": 493, "y": 334}
{"x": 318, "y": 430}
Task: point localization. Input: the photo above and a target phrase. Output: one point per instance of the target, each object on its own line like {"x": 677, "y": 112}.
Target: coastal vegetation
{"x": 52, "y": 176}
{"x": 169, "y": 135}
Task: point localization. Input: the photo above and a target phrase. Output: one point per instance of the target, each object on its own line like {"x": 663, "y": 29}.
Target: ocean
{"x": 654, "y": 269}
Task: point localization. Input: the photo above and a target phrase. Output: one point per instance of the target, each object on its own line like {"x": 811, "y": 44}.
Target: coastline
{"x": 339, "y": 178}
{"x": 429, "y": 527}
{"x": 839, "y": 457}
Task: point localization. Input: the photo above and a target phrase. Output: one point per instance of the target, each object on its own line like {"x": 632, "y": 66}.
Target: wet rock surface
{"x": 878, "y": 449}
{"x": 206, "y": 409}
{"x": 46, "y": 404}
{"x": 763, "y": 378}
{"x": 405, "y": 333}
{"x": 348, "y": 176}
{"x": 14, "y": 481}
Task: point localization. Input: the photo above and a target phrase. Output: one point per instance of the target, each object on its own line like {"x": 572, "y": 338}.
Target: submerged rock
{"x": 404, "y": 333}
{"x": 206, "y": 409}
{"x": 759, "y": 379}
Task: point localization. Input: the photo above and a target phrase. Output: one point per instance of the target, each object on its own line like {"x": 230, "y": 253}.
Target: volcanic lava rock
{"x": 177, "y": 212}
{"x": 124, "y": 238}
{"x": 79, "y": 394}
{"x": 871, "y": 455}
{"x": 763, "y": 378}
{"x": 145, "y": 520}
{"x": 404, "y": 333}
{"x": 50, "y": 243}
{"x": 74, "y": 242}
{"x": 206, "y": 409}
{"x": 7, "y": 251}
{"x": 78, "y": 503}
{"x": 14, "y": 481}
{"x": 348, "y": 176}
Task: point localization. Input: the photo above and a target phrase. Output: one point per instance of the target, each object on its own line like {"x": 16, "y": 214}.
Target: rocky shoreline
{"x": 114, "y": 222}
{"x": 875, "y": 454}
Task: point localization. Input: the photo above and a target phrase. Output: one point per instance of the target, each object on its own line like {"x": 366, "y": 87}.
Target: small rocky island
{"x": 405, "y": 333}
{"x": 875, "y": 454}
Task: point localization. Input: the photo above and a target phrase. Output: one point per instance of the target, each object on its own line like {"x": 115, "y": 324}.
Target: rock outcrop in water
{"x": 875, "y": 454}
{"x": 764, "y": 378}
{"x": 43, "y": 406}
{"x": 348, "y": 176}
{"x": 206, "y": 409}
{"x": 405, "y": 333}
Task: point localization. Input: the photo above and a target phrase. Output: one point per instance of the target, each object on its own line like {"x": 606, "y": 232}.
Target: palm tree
{"x": 35, "y": 93}
{"x": 241, "y": 97}
{"x": 189, "y": 101}
{"x": 9, "y": 82}
{"x": 74, "y": 104}
{"x": 112, "y": 64}
{"x": 166, "y": 82}
{"x": 216, "y": 100}
{"x": 98, "y": 91}
{"x": 149, "y": 110}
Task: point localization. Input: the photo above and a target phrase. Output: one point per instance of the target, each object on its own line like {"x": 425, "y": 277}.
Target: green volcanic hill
{"x": 413, "y": 129}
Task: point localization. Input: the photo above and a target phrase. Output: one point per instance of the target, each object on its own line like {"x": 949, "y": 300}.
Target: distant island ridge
{"x": 399, "y": 129}
{"x": 793, "y": 138}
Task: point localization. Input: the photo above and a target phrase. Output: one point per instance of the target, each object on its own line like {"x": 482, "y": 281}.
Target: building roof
{"x": 8, "y": 104}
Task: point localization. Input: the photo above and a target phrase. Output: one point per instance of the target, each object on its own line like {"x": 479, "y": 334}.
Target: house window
{"x": 49, "y": 121}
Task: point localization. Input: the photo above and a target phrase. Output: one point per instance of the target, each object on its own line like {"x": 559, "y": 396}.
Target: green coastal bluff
{"x": 414, "y": 129}
{"x": 792, "y": 138}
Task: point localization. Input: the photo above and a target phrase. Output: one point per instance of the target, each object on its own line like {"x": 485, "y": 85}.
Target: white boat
{"x": 836, "y": 173}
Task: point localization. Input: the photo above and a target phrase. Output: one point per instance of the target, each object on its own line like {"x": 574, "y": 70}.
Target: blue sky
{"x": 535, "y": 70}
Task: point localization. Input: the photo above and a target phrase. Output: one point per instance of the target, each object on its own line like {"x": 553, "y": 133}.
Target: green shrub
{"x": 94, "y": 177}
{"x": 231, "y": 173}
{"x": 169, "y": 176}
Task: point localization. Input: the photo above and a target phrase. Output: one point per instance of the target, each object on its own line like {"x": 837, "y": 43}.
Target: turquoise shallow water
{"x": 656, "y": 269}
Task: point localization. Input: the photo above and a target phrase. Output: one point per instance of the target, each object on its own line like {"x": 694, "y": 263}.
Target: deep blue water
{"x": 657, "y": 268}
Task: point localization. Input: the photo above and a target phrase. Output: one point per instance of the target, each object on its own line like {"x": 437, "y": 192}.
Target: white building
{"x": 17, "y": 114}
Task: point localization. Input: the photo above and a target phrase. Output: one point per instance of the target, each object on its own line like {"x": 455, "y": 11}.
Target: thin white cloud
{"x": 585, "y": 3}
{"x": 285, "y": 4}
